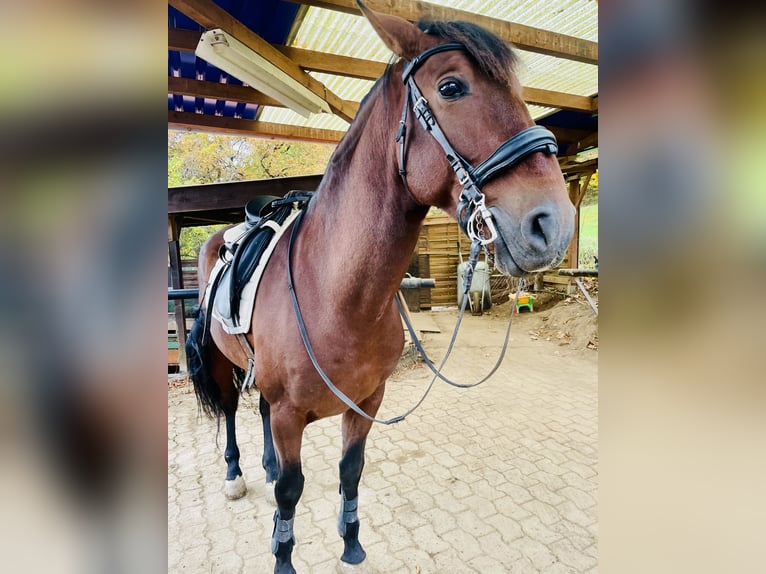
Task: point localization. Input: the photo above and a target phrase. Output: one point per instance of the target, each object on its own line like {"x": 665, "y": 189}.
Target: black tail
{"x": 198, "y": 356}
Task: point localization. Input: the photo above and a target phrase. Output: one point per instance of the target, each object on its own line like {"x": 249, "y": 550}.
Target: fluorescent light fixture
{"x": 233, "y": 57}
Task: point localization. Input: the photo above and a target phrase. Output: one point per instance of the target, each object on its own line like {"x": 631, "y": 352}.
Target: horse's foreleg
{"x": 287, "y": 431}
{"x": 355, "y": 430}
{"x": 269, "y": 459}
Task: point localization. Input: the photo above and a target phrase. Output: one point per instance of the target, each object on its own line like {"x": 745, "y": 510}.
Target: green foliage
{"x": 192, "y": 238}
{"x": 199, "y": 158}
{"x": 588, "y": 235}
{"x": 196, "y": 158}
{"x": 591, "y": 194}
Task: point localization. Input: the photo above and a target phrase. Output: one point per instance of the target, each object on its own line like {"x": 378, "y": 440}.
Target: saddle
{"x": 243, "y": 257}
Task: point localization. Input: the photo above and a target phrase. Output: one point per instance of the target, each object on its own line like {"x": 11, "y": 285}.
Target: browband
{"x": 513, "y": 150}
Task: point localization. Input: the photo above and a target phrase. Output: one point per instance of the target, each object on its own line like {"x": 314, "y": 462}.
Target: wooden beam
{"x": 177, "y": 282}
{"x": 210, "y": 15}
{"x": 583, "y": 188}
{"x": 225, "y": 125}
{"x": 192, "y": 199}
{"x": 576, "y": 172}
{"x": 557, "y": 99}
{"x": 372, "y": 70}
{"x": 228, "y": 92}
{"x": 182, "y": 40}
{"x": 218, "y": 91}
{"x": 523, "y": 37}
{"x": 586, "y": 142}
{"x": 334, "y": 64}
{"x": 568, "y": 135}
{"x": 186, "y": 41}
{"x": 572, "y": 161}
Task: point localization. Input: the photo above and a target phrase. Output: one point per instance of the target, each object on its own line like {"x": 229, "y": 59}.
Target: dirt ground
{"x": 498, "y": 478}
{"x": 568, "y": 322}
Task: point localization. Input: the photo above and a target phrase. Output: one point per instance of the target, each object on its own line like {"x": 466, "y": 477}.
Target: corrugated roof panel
{"x": 349, "y": 35}
{"x": 550, "y": 73}
{"x": 340, "y": 34}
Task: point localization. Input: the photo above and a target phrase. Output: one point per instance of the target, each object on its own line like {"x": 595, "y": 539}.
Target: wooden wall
{"x": 437, "y": 257}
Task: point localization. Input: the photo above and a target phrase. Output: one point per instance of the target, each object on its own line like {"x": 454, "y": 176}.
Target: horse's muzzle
{"x": 536, "y": 241}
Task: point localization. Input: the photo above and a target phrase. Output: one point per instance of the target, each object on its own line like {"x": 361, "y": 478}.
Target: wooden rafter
{"x": 218, "y": 91}
{"x": 587, "y": 142}
{"x": 210, "y": 15}
{"x": 192, "y": 121}
{"x": 228, "y": 92}
{"x": 220, "y": 197}
{"x": 568, "y": 135}
{"x": 334, "y": 64}
{"x": 558, "y": 99}
{"x": 572, "y": 168}
{"x": 521, "y": 36}
{"x": 583, "y": 188}
{"x": 186, "y": 41}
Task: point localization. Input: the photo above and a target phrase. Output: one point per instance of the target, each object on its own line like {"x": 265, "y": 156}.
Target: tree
{"x": 198, "y": 158}
{"x": 195, "y": 158}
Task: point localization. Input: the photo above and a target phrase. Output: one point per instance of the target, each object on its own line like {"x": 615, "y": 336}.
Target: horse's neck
{"x": 364, "y": 228}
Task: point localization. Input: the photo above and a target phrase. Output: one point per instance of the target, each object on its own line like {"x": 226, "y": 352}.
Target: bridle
{"x": 472, "y": 213}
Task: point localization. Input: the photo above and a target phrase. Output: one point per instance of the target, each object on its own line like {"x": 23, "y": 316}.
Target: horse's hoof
{"x": 270, "y": 496}
{"x": 353, "y": 554}
{"x": 234, "y": 489}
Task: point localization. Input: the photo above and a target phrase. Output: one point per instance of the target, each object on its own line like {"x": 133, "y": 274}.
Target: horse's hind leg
{"x": 213, "y": 377}
{"x": 355, "y": 430}
{"x": 269, "y": 459}
{"x": 234, "y": 485}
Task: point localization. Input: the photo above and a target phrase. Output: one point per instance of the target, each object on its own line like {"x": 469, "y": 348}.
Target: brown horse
{"x": 355, "y": 241}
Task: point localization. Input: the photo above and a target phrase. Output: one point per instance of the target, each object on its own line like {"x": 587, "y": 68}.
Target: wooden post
{"x": 573, "y": 252}
{"x": 577, "y": 189}
{"x": 177, "y": 282}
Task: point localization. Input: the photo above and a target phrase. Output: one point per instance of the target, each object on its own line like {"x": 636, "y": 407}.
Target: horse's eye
{"x": 451, "y": 89}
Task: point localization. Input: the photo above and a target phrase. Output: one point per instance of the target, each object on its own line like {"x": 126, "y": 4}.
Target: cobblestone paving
{"x": 499, "y": 478}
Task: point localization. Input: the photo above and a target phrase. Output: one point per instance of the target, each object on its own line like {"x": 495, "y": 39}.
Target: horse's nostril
{"x": 538, "y": 229}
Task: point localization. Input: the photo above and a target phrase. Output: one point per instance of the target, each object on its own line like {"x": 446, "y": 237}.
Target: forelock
{"x": 494, "y": 56}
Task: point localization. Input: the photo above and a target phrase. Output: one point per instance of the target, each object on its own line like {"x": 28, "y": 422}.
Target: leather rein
{"x": 473, "y": 216}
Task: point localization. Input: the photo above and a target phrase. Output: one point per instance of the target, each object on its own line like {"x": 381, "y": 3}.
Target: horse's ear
{"x": 399, "y": 35}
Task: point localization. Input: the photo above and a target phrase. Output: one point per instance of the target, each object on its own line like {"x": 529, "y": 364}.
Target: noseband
{"x": 472, "y": 213}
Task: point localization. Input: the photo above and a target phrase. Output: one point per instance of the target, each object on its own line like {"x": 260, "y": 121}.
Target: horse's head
{"x": 472, "y": 146}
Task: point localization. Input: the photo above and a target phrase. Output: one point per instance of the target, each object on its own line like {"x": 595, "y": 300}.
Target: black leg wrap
{"x": 282, "y": 542}
{"x": 282, "y": 533}
{"x": 348, "y": 514}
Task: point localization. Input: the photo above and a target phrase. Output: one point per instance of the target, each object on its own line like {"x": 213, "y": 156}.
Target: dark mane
{"x": 493, "y": 55}
{"x": 349, "y": 141}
